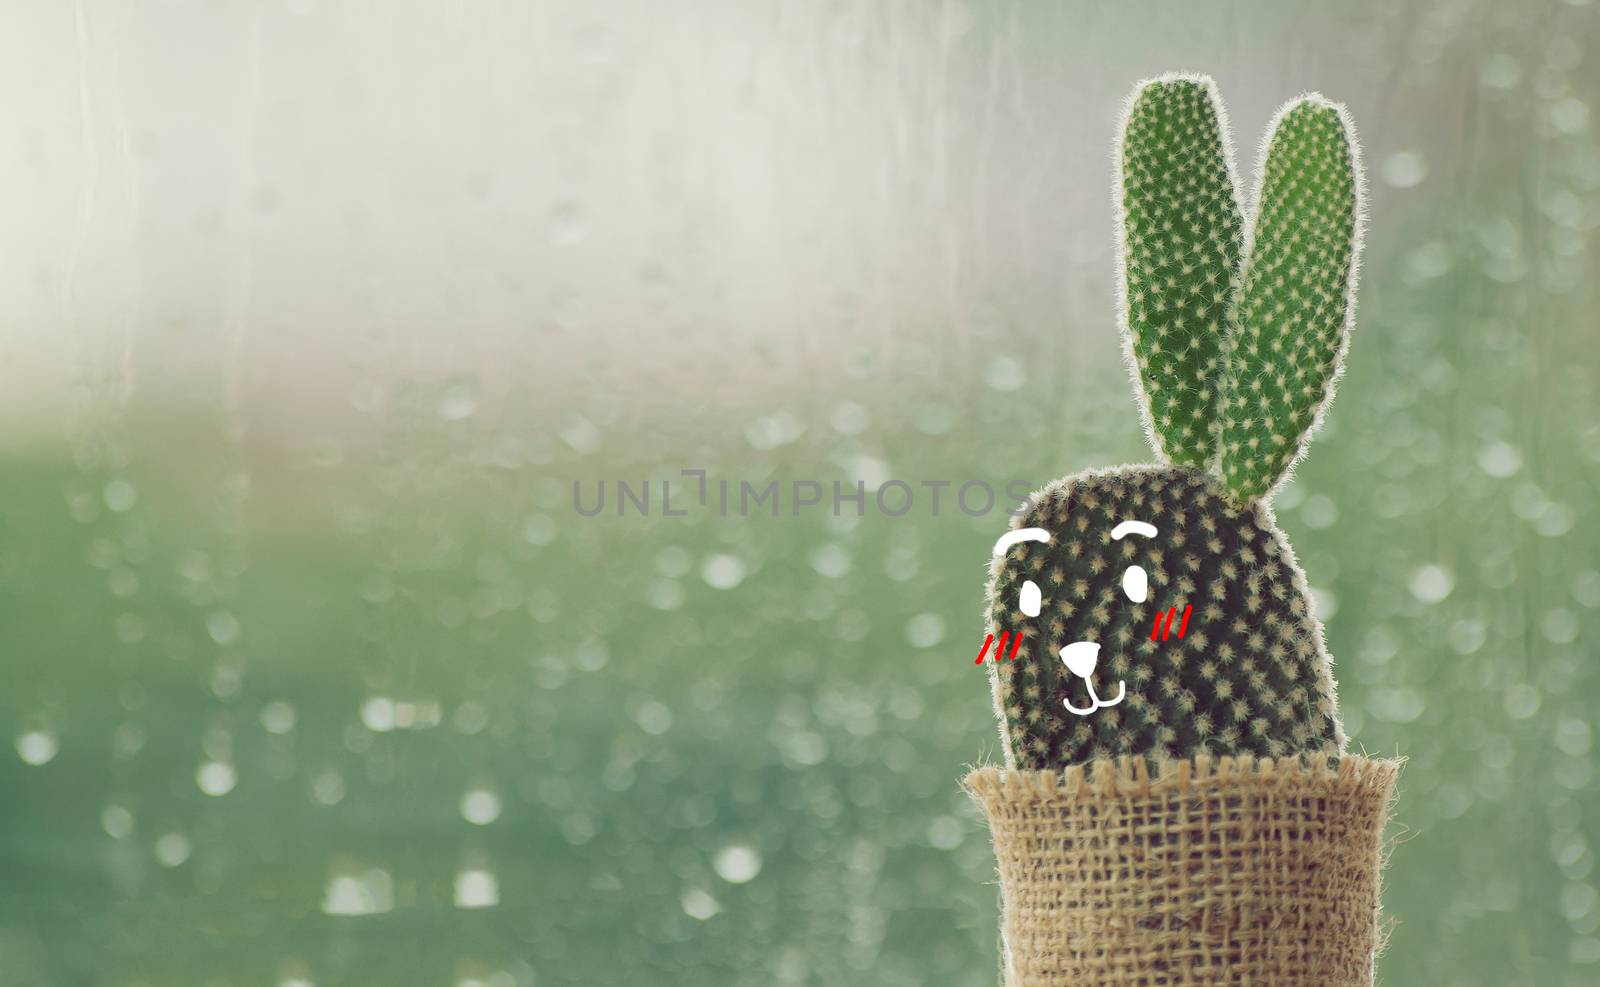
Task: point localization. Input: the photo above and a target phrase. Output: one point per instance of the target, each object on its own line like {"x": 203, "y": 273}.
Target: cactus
{"x": 1290, "y": 324}
{"x": 1234, "y": 338}
{"x": 1180, "y": 235}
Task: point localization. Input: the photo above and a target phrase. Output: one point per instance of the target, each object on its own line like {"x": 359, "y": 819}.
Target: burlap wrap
{"x": 1217, "y": 871}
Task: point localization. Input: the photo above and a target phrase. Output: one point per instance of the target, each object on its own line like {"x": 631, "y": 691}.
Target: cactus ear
{"x": 1180, "y": 234}
{"x": 1295, "y": 302}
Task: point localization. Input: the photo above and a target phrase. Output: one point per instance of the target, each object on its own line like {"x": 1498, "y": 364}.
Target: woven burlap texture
{"x": 1211, "y": 871}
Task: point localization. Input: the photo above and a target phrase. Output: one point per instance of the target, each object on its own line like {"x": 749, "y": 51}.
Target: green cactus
{"x": 1290, "y": 322}
{"x": 1180, "y": 237}
{"x": 1234, "y": 343}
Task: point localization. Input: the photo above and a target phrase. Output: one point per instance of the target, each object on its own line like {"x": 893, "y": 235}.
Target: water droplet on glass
{"x": 128, "y": 741}
{"x": 327, "y": 788}
{"x": 1431, "y": 583}
{"x": 869, "y": 471}
{"x": 934, "y": 419}
{"x": 172, "y": 849}
{"x": 1499, "y": 459}
{"x": 1555, "y": 521}
{"x": 277, "y": 717}
{"x": 223, "y": 627}
{"x": 377, "y": 714}
{"x": 653, "y": 718}
{"x": 665, "y": 594}
{"x": 460, "y": 402}
{"x": 1426, "y": 262}
{"x": 850, "y": 418}
{"x": 831, "y": 561}
{"x": 1005, "y": 374}
{"x": 772, "y": 431}
{"x": 216, "y": 778}
{"x": 591, "y": 656}
{"x": 470, "y": 718}
{"x": 674, "y": 562}
{"x": 581, "y": 435}
{"x": 1467, "y": 635}
{"x": 738, "y": 863}
{"x": 476, "y": 888}
{"x": 1319, "y": 512}
{"x": 1397, "y": 705}
{"x": 1405, "y": 169}
{"x": 217, "y": 743}
{"x": 539, "y": 529}
{"x": 227, "y": 678}
{"x": 804, "y": 748}
{"x": 1500, "y": 71}
{"x": 925, "y": 630}
{"x": 367, "y": 893}
{"x": 1528, "y": 502}
{"x": 1583, "y": 950}
{"x": 1578, "y": 900}
{"x": 123, "y": 582}
{"x": 945, "y": 833}
{"x": 1570, "y": 116}
{"x": 1586, "y": 588}
{"x": 1573, "y": 736}
{"x": 722, "y": 571}
{"x": 116, "y": 821}
{"x": 1521, "y": 700}
{"x": 120, "y": 496}
{"x": 37, "y": 747}
{"x": 901, "y": 564}
{"x": 1379, "y": 645}
{"x": 129, "y": 628}
{"x": 82, "y": 504}
{"x": 699, "y": 905}
{"x": 1560, "y": 626}
{"x": 480, "y": 807}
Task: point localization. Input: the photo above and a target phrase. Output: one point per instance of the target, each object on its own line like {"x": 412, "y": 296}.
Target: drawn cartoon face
{"x": 1155, "y": 614}
{"x": 1080, "y": 657}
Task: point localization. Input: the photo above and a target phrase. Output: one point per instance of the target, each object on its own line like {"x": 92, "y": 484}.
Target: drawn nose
{"x": 1081, "y": 657}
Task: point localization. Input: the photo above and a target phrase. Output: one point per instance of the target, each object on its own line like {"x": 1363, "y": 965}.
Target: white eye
{"x": 1136, "y": 584}
{"x": 1030, "y": 598}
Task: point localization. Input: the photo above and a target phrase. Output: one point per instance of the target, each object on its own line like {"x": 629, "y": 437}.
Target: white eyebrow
{"x": 1134, "y": 528}
{"x": 1020, "y": 535}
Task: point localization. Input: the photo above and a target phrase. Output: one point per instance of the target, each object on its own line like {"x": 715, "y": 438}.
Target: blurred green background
{"x": 311, "y": 673}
